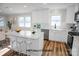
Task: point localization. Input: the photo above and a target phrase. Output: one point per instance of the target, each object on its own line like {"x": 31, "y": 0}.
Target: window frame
{"x": 59, "y": 21}
{"x": 2, "y": 20}
{"x": 24, "y": 22}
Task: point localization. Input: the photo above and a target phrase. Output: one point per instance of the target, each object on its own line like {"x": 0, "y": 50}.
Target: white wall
{"x": 70, "y": 14}
{"x": 42, "y": 17}
{"x": 59, "y": 12}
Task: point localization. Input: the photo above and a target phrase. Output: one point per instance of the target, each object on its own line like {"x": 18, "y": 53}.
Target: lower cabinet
{"x": 58, "y": 35}
{"x": 75, "y": 48}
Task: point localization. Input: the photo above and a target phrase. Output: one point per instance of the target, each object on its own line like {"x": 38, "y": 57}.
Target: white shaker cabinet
{"x": 75, "y": 48}
{"x": 58, "y": 35}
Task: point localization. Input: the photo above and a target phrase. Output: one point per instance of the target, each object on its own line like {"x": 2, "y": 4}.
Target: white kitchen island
{"x": 26, "y": 42}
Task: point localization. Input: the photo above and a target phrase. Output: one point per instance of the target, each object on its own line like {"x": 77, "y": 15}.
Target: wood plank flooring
{"x": 51, "y": 48}
{"x": 54, "y": 48}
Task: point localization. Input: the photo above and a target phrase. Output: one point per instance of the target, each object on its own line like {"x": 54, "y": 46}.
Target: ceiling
{"x": 16, "y": 8}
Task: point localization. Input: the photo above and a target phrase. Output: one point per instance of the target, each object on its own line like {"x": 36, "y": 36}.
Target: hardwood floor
{"x": 51, "y": 48}
{"x": 54, "y": 48}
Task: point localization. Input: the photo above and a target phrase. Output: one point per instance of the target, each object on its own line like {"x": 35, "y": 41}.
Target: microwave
{"x": 76, "y": 17}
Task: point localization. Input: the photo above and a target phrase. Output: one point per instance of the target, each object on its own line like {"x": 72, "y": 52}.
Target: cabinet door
{"x": 58, "y": 35}
{"x": 75, "y": 47}
{"x": 36, "y": 48}
{"x": 35, "y": 44}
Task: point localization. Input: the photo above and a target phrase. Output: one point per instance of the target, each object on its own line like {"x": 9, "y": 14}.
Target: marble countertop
{"x": 25, "y": 34}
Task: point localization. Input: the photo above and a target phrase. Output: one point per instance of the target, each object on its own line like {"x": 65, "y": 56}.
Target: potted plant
{"x": 36, "y": 27}
{"x": 9, "y": 25}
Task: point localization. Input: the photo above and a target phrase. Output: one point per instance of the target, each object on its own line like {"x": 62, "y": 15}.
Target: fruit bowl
{"x": 18, "y": 30}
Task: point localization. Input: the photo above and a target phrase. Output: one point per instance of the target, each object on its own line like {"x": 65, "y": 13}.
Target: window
{"x": 1, "y": 22}
{"x": 56, "y": 22}
{"x": 24, "y": 21}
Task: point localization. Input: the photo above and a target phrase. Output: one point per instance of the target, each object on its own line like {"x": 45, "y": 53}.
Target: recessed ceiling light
{"x": 25, "y": 6}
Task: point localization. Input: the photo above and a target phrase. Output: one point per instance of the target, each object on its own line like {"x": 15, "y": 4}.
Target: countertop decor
{"x": 18, "y": 30}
